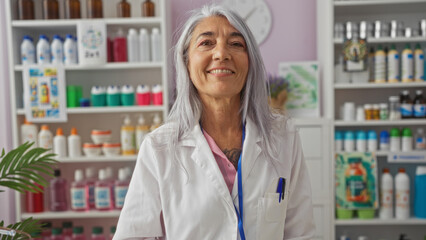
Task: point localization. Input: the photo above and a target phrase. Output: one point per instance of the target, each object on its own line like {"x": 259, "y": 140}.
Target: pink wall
{"x": 293, "y": 33}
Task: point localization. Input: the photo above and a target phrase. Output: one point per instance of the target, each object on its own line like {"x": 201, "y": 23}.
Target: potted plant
{"x": 277, "y": 92}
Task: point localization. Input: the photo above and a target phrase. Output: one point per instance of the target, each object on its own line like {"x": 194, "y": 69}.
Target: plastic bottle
{"x": 123, "y": 9}
{"x": 97, "y": 233}
{"x": 94, "y": 9}
{"x": 395, "y": 140}
{"x": 420, "y": 192}
{"x": 371, "y": 64}
{"x": 29, "y": 133}
{"x": 402, "y": 195}
{"x": 72, "y": 9}
{"x": 70, "y": 50}
{"x": 127, "y": 95}
{"x": 419, "y": 107}
{"x": 380, "y": 65}
{"x": 57, "y": 234}
{"x": 120, "y": 188}
{"x": 406, "y": 105}
{"x": 371, "y": 141}
{"x": 386, "y": 195}
{"x": 128, "y": 137}
{"x": 132, "y": 46}
{"x": 384, "y": 141}
{"x": 144, "y": 46}
{"x": 90, "y": 182}
{"x": 157, "y": 95}
{"x": 142, "y": 129}
{"x": 394, "y": 108}
{"x": 148, "y": 9}
{"x": 156, "y": 45}
{"x": 419, "y": 59}
{"x": 393, "y": 65}
{"x": 57, "y": 50}
{"x": 79, "y": 192}
{"x": 361, "y": 141}
{"x": 78, "y": 233}
{"x": 28, "y": 53}
{"x": 113, "y": 95}
{"x": 67, "y": 230}
{"x": 58, "y": 192}
{"x": 26, "y": 9}
{"x": 103, "y": 194}
{"x": 112, "y": 232}
{"x": 407, "y": 140}
{"x": 50, "y": 9}
{"x": 156, "y": 122}
{"x": 43, "y": 50}
{"x": 98, "y": 96}
{"x": 46, "y": 230}
{"x": 74, "y": 144}
{"x": 45, "y": 138}
{"x": 420, "y": 141}
{"x": 349, "y": 141}
{"x": 407, "y": 64}
{"x": 338, "y": 141}
{"x": 34, "y": 202}
{"x": 60, "y": 143}
{"x": 120, "y": 47}
{"x": 384, "y": 111}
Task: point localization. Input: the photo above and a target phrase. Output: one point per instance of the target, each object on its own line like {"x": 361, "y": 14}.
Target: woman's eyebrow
{"x": 236, "y": 34}
{"x": 204, "y": 34}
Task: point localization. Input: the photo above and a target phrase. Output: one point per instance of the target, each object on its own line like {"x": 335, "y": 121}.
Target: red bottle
{"x": 34, "y": 202}
{"x": 58, "y": 192}
{"x": 120, "y": 47}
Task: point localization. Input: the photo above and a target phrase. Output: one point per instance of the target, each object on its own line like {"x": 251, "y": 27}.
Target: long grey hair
{"x": 188, "y": 108}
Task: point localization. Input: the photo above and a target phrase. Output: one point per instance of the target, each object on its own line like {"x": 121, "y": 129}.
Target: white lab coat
{"x": 189, "y": 199}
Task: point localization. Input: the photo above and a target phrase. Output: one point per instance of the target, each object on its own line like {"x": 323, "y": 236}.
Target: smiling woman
{"x": 223, "y": 166}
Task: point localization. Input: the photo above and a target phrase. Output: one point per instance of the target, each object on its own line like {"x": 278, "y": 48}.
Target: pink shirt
{"x": 228, "y": 170}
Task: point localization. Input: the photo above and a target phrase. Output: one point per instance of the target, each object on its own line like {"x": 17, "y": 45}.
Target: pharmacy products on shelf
{"x": 386, "y": 195}
{"x": 402, "y": 195}
{"x": 28, "y": 53}
{"x": 79, "y": 192}
{"x": 60, "y": 143}
{"x": 58, "y": 189}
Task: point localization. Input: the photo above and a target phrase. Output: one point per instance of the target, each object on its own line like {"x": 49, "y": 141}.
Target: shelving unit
{"x": 86, "y": 119}
{"x": 336, "y": 93}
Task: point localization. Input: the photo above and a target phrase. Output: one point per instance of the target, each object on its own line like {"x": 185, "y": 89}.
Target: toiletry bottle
{"x": 407, "y": 140}
{"x": 156, "y": 45}
{"x": 127, "y": 95}
{"x": 407, "y": 64}
{"x": 143, "y": 95}
{"x": 402, "y": 195}
{"x": 384, "y": 141}
{"x": 109, "y": 173}
{"x": 371, "y": 141}
{"x": 57, "y": 50}
{"x": 148, "y": 9}
{"x": 74, "y": 144}
{"x": 57, "y": 234}
{"x": 386, "y": 195}
{"x": 58, "y": 192}
{"x": 406, "y": 105}
{"x": 132, "y": 46}
{"x": 103, "y": 194}
{"x": 157, "y": 95}
{"x": 128, "y": 137}
{"x": 94, "y": 9}
{"x": 28, "y": 53}
{"x": 98, "y": 233}
{"x": 72, "y": 9}
{"x": 70, "y": 50}
{"x": 50, "y": 9}
{"x": 45, "y": 138}
{"x": 67, "y": 230}
{"x": 34, "y": 202}
{"x": 120, "y": 188}
{"x": 349, "y": 141}
{"x": 142, "y": 129}
{"x": 123, "y": 9}
{"x": 395, "y": 140}
{"x": 420, "y": 141}
{"x": 419, "y": 108}
{"x": 59, "y": 143}
{"x": 26, "y": 9}
{"x": 361, "y": 141}
{"x": 43, "y": 50}
{"x": 393, "y": 65}
{"x": 338, "y": 141}
{"x": 156, "y": 122}
{"x": 29, "y": 133}
{"x": 79, "y": 192}
{"x": 112, "y": 232}
{"x": 120, "y": 47}
{"x": 78, "y": 233}
{"x": 356, "y": 181}
{"x": 371, "y": 73}
{"x": 380, "y": 65}
{"x": 90, "y": 182}
{"x": 419, "y": 59}
{"x": 144, "y": 46}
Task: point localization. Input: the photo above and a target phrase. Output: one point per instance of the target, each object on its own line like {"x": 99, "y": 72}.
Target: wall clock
{"x": 256, "y": 14}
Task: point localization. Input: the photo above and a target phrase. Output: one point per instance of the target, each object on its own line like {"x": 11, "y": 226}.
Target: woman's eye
{"x": 205, "y": 43}
{"x": 237, "y": 44}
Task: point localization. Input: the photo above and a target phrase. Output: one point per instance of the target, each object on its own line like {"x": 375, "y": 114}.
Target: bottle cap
{"x": 383, "y": 105}
{"x": 101, "y": 174}
{"x": 401, "y": 170}
{"x": 393, "y": 47}
{"x": 407, "y": 45}
{"x": 70, "y": 36}
{"x": 57, "y": 37}
{"x": 57, "y": 173}
{"x": 384, "y": 137}
{"x": 97, "y": 230}
{"x": 157, "y": 88}
{"x": 126, "y": 89}
{"x": 157, "y": 119}
{"x": 122, "y": 174}
{"x": 368, "y": 106}
{"x": 349, "y": 135}
{"x": 143, "y": 31}
{"x": 74, "y": 131}
{"x": 360, "y": 135}
{"x": 127, "y": 120}
{"x": 418, "y": 46}
{"x": 77, "y": 230}
{"x": 132, "y": 31}
{"x": 112, "y": 229}
{"x": 44, "y": 127}
{"x": 142, "y": 88}
{"x": 372, "y": 135}
{"x": 67, "y": 224}
{"x": 406, "y": 132}
{"x": 26, "y": 37}
{"x": 109, "y": 172}
{"x": 141, "y": 120}
{"x": 394, "y": 99}
{"x": 395, "y": 132}
{"x": 155, "y": 31}
{"x": 385, "y": 170}
{"x": 42, "y": 36}
{"x": 56, "y": 231}
{"x": 59, "y": 132}
{"x": 113, "y": 89}
{"x": 338, "y": 135}
{"x": 419, "y": 92}
{"x": 90, "y": 172}
{"x": 98, "y": 90}
{"x": 376, "y": 106}
{"x": 78, "y": 175}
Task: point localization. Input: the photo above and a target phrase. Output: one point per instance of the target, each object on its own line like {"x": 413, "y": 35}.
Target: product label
{"x": 380, "y": 68}
{"x": 386, "y": 199}
{"x": 402, "y": 199}
{"x": 127, "y": 141}
{"x": 355, "y": 186}
{"x": 78, "y": 198}
{"x": 407, "y": 67}
{"x": 419, "y": 110}
{"x": 120, "y": 195}
{"x": 419, "y": 68}
{"x": 92, "y": 195}
{"x": 406, "y": 109}
{"x": 420, "y": 143}
{"x": 102, "y": 197}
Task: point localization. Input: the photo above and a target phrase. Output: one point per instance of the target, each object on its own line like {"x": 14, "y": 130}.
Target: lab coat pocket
{"x": 271, "y": 216}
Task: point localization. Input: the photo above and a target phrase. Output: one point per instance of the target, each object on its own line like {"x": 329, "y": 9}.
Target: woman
{"x": 185, "y": 184}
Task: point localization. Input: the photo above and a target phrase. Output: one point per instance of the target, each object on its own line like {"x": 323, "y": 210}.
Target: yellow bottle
{"x": 380, "y": 65}
{"x": 407, "y": 64}
{"x": 393, "y": 65}
{"x": 419, "y": 59}
{"x": 142, "y": 129}
{"x": 128, "y": 137}
{"x": 156, "y": 122}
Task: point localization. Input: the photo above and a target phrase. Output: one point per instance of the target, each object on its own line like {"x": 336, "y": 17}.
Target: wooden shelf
{"x": 121, "y": 109}
{"x": 108, "y": 66}
{"x": 376, "y": 221}
{"x": 407, "y": 122}
{"x": 378, "y": 85}
{"x": 73, "y": 215}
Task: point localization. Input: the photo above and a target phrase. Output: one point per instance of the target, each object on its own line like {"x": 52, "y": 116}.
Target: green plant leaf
{"x": 29, "y": 226}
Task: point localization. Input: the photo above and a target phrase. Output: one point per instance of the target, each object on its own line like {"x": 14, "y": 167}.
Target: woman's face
{"x": 217, "y": 59}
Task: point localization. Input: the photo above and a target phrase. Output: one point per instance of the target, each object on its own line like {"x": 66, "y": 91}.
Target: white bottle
{"x": 70, "y": 50}
{"x": 45, "y": 138}
{"x": 420, "y": 141}
{"x": 132, "y": 46}
{"x": 29, "y": 133}
{"x": 393, "y": 65}
{"x": 59, "y": 143}
{"x": 43, "y": 50}
{"x": 361, "y": 141}
{"x": 407, "y": 140}
{"x": 28, "y": 53}
{"x": 419, "y": 59}
{"x": 120, "y": 188}
{"x": 156, "y": 45}
{"x": 144, "y": 46}
{"x": 156, "y": 122}
{"x": 74, "y": 144}
{"x": 57, "y": 50}
{"x": 79, "y": 192}
{"x": 402, "y": 195}
{"x": 128, "y": 137}
{"x": 102, "y": 192}
{"x": 407, "y": 64}
{"x": 142, "y": 129}
{"x": 371, "y": 141}
{"x": 386, "y": 195}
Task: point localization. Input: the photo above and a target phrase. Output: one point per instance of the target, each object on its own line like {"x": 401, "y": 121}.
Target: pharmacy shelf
{"x": 407, "y": 122}
{"x": 353, "y": 222}
{"x": 375, "y": 2}
{"x": 72, "y": 215}
{"x": 108, "y": 66}
{"x": 388, "y": 40}
{"x": 101, "y": 158}
{"x": 120, "y": 109}
{"x": 378, "y": 85}
{"x": 66, "y": 23}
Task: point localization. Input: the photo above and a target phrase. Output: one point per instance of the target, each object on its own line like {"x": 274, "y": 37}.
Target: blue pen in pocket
{"x": 281, "y": 189}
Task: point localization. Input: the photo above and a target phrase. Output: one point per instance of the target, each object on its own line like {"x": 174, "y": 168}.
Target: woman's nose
{"x": 221, "y": 53}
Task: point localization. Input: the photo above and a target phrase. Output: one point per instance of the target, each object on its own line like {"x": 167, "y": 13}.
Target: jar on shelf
{"x": 50, "y": 9}
{"x": 368, "y": 110}
{"x": 123, "y": 9}
{"x": 95, "y": 9}
{"x": 26, "y": 9}
{"x": 72, "y": 9}
{"x": 394, "y": 109}
{"x": 384, "y": 111}
{"x": 148, "y": 9}
{"x": 376, "y": 111}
